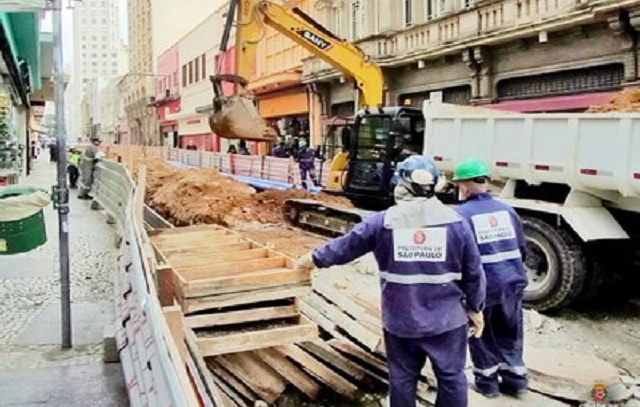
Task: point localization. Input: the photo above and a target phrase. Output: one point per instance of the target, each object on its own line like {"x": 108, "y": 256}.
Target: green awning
{"x": 22, "y": 32}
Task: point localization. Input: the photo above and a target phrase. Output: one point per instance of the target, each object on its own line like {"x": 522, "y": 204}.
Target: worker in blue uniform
{"x": 497, "y": 355}
{"x": 431, "y": 279}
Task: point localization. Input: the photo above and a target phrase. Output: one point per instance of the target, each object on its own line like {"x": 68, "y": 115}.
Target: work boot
{"x": 85, "y": 197}
{"x": 487, "y": 394}
{"x": 511, "y": 392}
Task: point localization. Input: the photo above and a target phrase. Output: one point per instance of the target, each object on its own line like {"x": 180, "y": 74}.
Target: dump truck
{"x": 574, "y": 178}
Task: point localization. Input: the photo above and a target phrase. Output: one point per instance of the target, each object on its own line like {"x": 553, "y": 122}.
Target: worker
{"x": 191, "y": 146}
{"x": 242, "y": 148}
{"x": 232, "y": 149}
{"x": 432, "y": 283}
{"x": 73, "y": 168}
{"x": 497, "y": 355}
{"x": 87, "y": 167}
{"x": 280, "y": 150}
{"x": 306, "y": 163}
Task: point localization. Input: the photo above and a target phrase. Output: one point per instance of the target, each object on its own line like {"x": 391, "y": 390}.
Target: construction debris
{"x": 626, "y": 101}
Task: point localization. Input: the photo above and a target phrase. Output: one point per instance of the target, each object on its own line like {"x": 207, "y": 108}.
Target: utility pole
{"x": 61, "y": 191}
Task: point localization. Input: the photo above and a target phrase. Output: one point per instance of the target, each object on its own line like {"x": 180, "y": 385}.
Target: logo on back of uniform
{"x": 419, "y": 237}
{"x": 492, "y": 227}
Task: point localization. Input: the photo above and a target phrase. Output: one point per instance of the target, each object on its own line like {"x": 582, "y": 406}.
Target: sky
{"x": 67, "y": 27}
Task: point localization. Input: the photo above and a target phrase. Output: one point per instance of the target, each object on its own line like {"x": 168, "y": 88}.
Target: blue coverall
{"x": 306, "y": 163}
{"x": 430, "y": 275}
{"x": 498, "y": 353}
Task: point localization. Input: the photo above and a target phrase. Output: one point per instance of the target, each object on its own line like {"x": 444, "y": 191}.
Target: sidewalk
{"x": 33, "y": 368}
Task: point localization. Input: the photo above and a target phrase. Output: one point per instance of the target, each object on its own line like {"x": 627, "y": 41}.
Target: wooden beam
{"x": 244, "y": 297}
{"x": 191, "y": 251}
{"x": 224, "y": 269}
{"x": 256, "y": 374}
{"x": 183, "y": 243}
{"x": 320, "y": 371}
{"x": 225, "y": 376}
{"x": 246, "y": 341}
{"x": 290, "y": 372}
{"x": 246, "y": 282}
{"x": 173, "y": 315}
{"x": 190, "y": 230}
{"x": 342, "y": 300}
{"x": 322, "y": 351}
{"x": 240, "y": 317}
{"x": 227, "y": 256}
{"x": 165, "y": 277}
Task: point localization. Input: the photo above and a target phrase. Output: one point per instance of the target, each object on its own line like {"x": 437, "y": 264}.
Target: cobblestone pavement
{"x": 30, "y": 299}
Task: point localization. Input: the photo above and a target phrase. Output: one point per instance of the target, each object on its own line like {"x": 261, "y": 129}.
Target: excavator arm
{"x": 235, "y": 116}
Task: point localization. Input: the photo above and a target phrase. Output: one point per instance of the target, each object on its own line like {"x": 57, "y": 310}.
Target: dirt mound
{"x": 626, "y": 101}
{"x": 200, "y": 195}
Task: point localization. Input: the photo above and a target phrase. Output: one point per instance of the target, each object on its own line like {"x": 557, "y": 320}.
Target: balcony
{"x": 489, "y": 22}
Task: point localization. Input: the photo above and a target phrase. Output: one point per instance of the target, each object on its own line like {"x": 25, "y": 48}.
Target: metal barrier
{"x": 151, "y": 370}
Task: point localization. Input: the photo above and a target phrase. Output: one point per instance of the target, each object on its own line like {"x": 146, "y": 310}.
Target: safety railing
{"x": 154, "y": 372}
{"x": 254, "y": 166}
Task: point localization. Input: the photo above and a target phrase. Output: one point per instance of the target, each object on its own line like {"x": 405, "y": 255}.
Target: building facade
{"x": 282, "y": 98}
{"x": 197, "y": 60}
{"x": 97, "y": 53}
{"x": 167, "y": 97}
{"x": 154, "y": 26}
{"x": 521, "y": 55}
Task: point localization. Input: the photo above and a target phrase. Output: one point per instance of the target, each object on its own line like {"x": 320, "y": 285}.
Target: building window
{"x": 184, "y": 76}
{"x": 430, "y": 9}
{"x": 356, "y": 20}
{"x": 406, "y": 12}
{"x": 196, "y": 63}
{"x": 175, "y": 78}
{"x": 190, "y": 72}
{"x": 204, "y": 66}
{"x": 467, "y": 3}
{"x": 337, "y": 22}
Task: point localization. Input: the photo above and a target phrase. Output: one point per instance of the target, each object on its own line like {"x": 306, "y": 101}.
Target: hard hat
{"x": 418, "y": 169}
{"x": 302, "y": 143}
{"x": 470, "y": 169}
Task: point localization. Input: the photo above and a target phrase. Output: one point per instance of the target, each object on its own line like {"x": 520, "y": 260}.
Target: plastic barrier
{"x": 153, "y": 373}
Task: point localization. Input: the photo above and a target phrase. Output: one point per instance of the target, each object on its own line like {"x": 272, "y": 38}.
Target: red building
{"x": 167, "y": 100}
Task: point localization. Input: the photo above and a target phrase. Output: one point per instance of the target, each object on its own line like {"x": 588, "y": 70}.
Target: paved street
{"x": 33, "y": 368}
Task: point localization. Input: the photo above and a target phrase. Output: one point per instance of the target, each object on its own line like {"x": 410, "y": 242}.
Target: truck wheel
{"x": 555, "y": 265}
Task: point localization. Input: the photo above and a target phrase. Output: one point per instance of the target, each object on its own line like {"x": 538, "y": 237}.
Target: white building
{"x": 98, "y": 52}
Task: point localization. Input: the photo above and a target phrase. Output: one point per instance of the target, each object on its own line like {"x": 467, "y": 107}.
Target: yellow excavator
{"x": 363, "y": 173}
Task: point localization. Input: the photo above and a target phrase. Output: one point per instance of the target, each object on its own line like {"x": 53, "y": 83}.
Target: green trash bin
{"x": 22, "y": 226}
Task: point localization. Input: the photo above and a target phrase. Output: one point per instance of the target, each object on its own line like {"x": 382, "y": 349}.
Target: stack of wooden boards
{"x": 256, "y": 328}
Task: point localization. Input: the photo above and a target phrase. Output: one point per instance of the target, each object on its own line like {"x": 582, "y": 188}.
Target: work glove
{"x": 476, "y": 322}
{"x": 305, "y": 262}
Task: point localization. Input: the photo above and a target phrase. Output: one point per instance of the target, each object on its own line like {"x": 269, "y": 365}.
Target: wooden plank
{"x": 239, "y": 317}
{"x": 322, "y": 351}
{"x": 256, "y": 374}
{"x": 349, "y": 348}
{"x": 345, "y": 303}
{"x": 369, "y": 339}
{"x": 320, "y": 371}
{"x": 305, "y": 330}
{"x": 204, "y": 250}
{"x": 166, "y": 289}
{"x": 246, "y": 282}
{"x": 209, "y": 382}
{"x": 208, "y": 259}
{"x": 224, "y": 269}
{"x": 225, "y": 376}
{"x": 290, "y": 372}
{"x": 183, "y": 230}
{"x": 213, "y": 240}
{"x": 173, "y": 315}
{"x": 244, "y": 297}
{"x": 321, "y": 320}
{"x": 192, "y": 239}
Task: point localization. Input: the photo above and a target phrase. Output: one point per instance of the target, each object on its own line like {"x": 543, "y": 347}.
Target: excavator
{"x": 379, "y": 136}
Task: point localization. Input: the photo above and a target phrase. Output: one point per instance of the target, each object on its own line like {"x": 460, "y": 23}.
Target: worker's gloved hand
{"x": 305, "y": 262}
{"x": 476, "y": 324}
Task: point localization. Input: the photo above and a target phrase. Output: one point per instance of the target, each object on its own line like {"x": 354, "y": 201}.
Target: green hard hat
{"x": 470, "y": 169}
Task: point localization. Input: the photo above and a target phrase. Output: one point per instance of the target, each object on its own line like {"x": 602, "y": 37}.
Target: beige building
{"x": 525, "y": 55}
{"x": 154, "y": 26}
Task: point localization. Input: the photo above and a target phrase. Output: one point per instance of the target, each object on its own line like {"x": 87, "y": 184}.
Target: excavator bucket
{"x": 236, "y": 117}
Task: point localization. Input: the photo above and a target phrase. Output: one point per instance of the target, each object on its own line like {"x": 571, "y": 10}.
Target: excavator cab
{"x": 382, "y": 138}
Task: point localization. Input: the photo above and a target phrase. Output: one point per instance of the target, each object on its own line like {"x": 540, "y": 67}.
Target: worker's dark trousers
{"x": 406, "y": 358}
{"x": 498, "y": 353}
{"x": 74, "y": 174}
{"x": 312, "y": 175}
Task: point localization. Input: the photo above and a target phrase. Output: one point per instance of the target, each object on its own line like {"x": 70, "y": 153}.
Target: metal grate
{"x": 594, "y": 79}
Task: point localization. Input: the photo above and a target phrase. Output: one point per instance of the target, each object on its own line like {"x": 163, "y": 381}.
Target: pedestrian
{"x": 73, "y": 168}
{"x": 53, "y": 152}
{"x": 87, "y": 167}
{"x": 242, "y": 148}
{"x": 306, "y": 163}
{"x": 497, "y": 355}
{"x": 431, "y": 279}
{"x": 280, "y": 150}
{"x": 191, "y": 146}
{"x": 232, "y": 149}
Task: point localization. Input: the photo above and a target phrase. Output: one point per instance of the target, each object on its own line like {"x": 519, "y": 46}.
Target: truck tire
{"x": 555, "y": 264}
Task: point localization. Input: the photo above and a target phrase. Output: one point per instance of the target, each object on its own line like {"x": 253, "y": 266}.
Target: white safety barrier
{"x": 151, "y": 372}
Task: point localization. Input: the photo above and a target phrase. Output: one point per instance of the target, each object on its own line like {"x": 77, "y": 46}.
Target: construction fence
{"x": 283, "y": 170}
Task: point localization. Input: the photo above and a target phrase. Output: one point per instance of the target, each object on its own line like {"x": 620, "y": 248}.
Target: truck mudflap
{"x": 320, "y": 218}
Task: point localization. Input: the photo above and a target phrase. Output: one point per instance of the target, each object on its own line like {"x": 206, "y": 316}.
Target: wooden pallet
{"x": 236, "y": 295}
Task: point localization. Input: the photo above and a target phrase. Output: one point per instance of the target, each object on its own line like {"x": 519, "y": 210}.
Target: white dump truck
{"x": 575, "y": 180}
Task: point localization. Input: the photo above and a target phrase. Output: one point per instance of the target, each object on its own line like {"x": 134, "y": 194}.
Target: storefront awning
{"x": 555, "y": 104}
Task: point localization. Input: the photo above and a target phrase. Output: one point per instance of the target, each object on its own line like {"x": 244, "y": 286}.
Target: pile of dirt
{"x": 626, "y": 101}
{"x": 207, "y": 196}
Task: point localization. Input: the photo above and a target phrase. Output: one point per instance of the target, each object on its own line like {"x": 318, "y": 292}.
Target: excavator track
{"x": 322, "y": 219}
